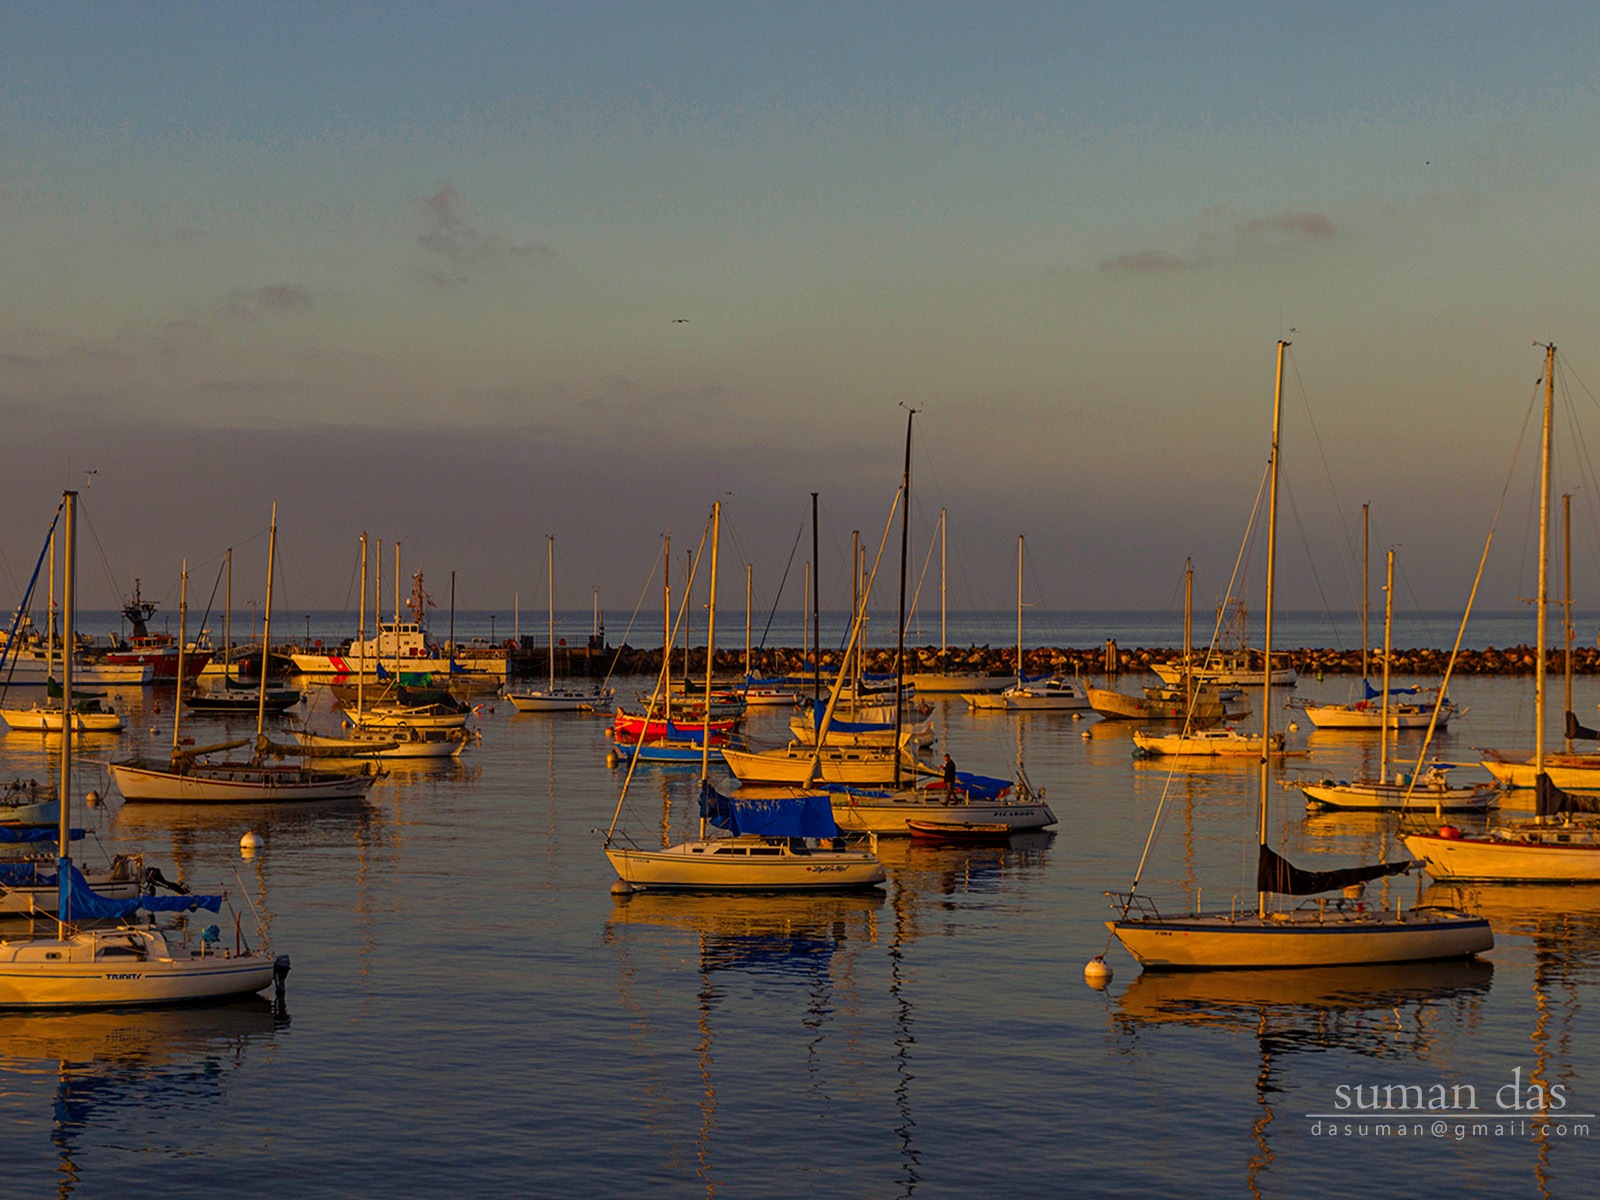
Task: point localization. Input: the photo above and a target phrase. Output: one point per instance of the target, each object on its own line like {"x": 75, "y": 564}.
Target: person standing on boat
{"x": 949, "y": 774}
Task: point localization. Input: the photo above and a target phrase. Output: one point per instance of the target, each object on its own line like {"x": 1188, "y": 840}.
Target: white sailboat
{"x": 567, "y": 698}
{"x": 1431, "y": 789}
{"x": 190, "y": 777}
{"x": 777, "y": 844}
{"x": 1554, "y": 847}
{"x": 1053, "y": 693}
{"x": 1327, "y": 933}
{"x": 129, "y": 965}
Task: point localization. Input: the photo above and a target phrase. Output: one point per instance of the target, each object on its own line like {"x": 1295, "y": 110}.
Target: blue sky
{"x": 466, "y": 275}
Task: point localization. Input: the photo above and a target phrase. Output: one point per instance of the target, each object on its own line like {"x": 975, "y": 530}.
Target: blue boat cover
{"x": 24, "y": 874}
{"x": 81, "y": 902}
{"x": 33, "y": 833}
{"x": 809, "y": 816}
{"x": 1373, "y": 693}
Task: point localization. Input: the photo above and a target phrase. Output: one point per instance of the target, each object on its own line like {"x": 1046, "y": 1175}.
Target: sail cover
{"x": 33, "y": 833}
{"x": 1551, "y": 801}
{"x": 1580, "y": 732}
{"x": 84, "y": 903}
{"x": 1274, "y": 873}
{"x": 808, "y": 816}
{"x": 820, "y": 707}
{"x": 1373, "y": 693}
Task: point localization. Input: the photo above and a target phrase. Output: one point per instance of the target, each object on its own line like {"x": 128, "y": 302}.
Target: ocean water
{"x": 471, "y": 1012}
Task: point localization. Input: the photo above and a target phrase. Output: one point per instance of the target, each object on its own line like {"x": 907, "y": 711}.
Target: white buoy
{"x": 1294, "y": 726}
{"x": 622, "y": 888}
{"x": 92, "y": 800}
{"x": 154, "y": 731}
{"x": 611, "y": 760}
{"x": 1085, "y": 735}
{"x": 1097, "y": 971}
{"x": 251, "y": 842}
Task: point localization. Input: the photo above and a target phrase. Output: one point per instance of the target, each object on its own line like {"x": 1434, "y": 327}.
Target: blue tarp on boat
{"x": 83, "y": 903}
{"x": 820, "y": 707}
{"x": 809, "y": 816}
{"x": 33, "y": 833}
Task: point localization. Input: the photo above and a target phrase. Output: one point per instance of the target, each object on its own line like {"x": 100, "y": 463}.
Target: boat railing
{"x": 1133, "y": 902}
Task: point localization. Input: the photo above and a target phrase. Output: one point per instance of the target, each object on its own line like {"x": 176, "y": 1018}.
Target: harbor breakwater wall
{"x": 1109, "y": 658}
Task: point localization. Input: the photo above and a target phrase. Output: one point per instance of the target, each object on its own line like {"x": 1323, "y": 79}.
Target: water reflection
{"x": 139, "y": 1079}
{"x": 774, "y": 944}
{"x": 1391, "y": 1011}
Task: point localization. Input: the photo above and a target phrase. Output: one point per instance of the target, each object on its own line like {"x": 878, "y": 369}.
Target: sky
{"x": 466, "y": 276}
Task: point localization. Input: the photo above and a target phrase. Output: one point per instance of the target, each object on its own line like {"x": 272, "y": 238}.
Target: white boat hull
{"x": 225, "y": 783}
{"x": 1303, "y": 938}
{"x": 859, "y": 765}
{"x": 745, "y": 864}
{"x": 1222, "y": 743}
{"x": 1529, "y": 859}
{"x": 935, "y": 683}
{"x": 123, "y": 968}
{"x": 1573, "y": 772}
{"x": 561, "y": 700}
{"x": 1341, "y": 716}
{"x": 1374, "y": 796}
{"x": 1061, "y": 695}
{"x": 47, "y": 720}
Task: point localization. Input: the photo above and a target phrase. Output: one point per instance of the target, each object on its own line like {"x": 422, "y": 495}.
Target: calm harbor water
{"x": 472, "y": 1012}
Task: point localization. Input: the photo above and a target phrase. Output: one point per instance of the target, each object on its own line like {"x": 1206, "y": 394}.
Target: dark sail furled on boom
{"x": 1274, "y": 873}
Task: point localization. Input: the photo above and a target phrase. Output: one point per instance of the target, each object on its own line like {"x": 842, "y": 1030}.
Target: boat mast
{"x": 666, "y": 628}
{"x": 816, "y": 615}
{"x": 550, "y": 571}
{"x": 711, "y": 634}
{"x": 749, "y": 592}
{"x": 266, "y": 629}
{"x": 1266, "y": 637}
{"x": 1019, "y": 610}
{"x": 1365, "y": 592}
{"x": 900, "y": 637}
{"x": 50, "y": 623}
{"x": 183, "y": 624}
{"x": 227, "y": 624}
{"x": 1544, "y": 560}
{"x": 1566, "y": 603}
{"x": 361, "y": 633}
{"x": 1188, "y": 636}
{"x": 944, "y": 641}
{"x": 64, "y": 832}
{"x": 1383, "y": 719}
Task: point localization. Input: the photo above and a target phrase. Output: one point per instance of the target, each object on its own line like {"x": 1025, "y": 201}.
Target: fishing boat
{"x": 159, "y": 651}
{"x": 191, "y": 776}
{"x": 1561, "y": 844}
{"x": 83, "y": 966}
{"x": 778, "y": 844}
{"x": 1328, "y": 932}
{"x": 567, "y": 698}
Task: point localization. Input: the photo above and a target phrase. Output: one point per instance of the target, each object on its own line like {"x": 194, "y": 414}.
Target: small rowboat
{"x": 959, "y": 831}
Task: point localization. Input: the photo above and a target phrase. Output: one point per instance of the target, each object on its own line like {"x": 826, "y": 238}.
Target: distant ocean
{"x": 1071, "y": 630}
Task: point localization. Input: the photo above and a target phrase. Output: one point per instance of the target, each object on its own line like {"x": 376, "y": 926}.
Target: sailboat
{"x": 944, "y": 680}
{"x": 1052, "y": 692}
{"x": 1551, "y": 848}
{"x": 1330, "y": 932}
{"x": 553, "y": 698}
{"x": 783, "y": 843}
{"x": 190, "y": 777}
{"x": 1431, "y": 789}
{"x": 126, "y": 965}
{"x": 1391, "y": 713}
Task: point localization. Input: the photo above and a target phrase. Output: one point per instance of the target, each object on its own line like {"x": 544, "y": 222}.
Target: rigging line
{"x": 663, "y": 674}
{"x": 1311, "y": 563}
{"x": 793, "y": 550}
{"x": 1342, "y": 536}
{"x": 637, "y": 605}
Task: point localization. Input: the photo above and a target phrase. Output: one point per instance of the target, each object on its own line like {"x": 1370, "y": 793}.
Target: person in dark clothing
{"x": 949, "y": 773}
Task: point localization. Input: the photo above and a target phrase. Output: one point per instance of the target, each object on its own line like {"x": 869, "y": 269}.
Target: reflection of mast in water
{"x": 905, "y": 1130}
{"x": 765, "y": 937}
{"x": 1314, "y": 1010}
{"x": 1562, "y": 923}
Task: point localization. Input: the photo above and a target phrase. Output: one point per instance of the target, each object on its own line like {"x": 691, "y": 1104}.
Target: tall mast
{"x": 944, "y": 641}
{"x": 749, "y": 595}
{"x": 1544, "y": 559}
{"x": 266, "y": 627}
{"x": 50, "y": 621}
{"x": 550, "y": 570}
{"x": 1566, "y": 602}
{"x": 666, "y": 625}
{"x": 1266, "y": 637}
{"x": 1365, "y": 591}
{"x": 816, "y": 616}
{"x": 361, "y": 634}
{"x": 900, "y": 636}
{"x": 711, "y": 635}
{"x": 1019, "y": 610}
{"x": 183, "y": 625}
{"x": 227, "y": 623}
{"x": 1383, "y": 719}
{"x": 1188, "y": 635}
{"x": 68, "y": 581}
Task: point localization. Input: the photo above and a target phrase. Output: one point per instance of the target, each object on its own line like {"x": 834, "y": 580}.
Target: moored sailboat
{"x": 1330, "y": 932}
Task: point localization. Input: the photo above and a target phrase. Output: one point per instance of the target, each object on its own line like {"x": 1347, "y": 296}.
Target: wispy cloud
{"x": 1226, "y": 234}
{"x": 460, "y": 247}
